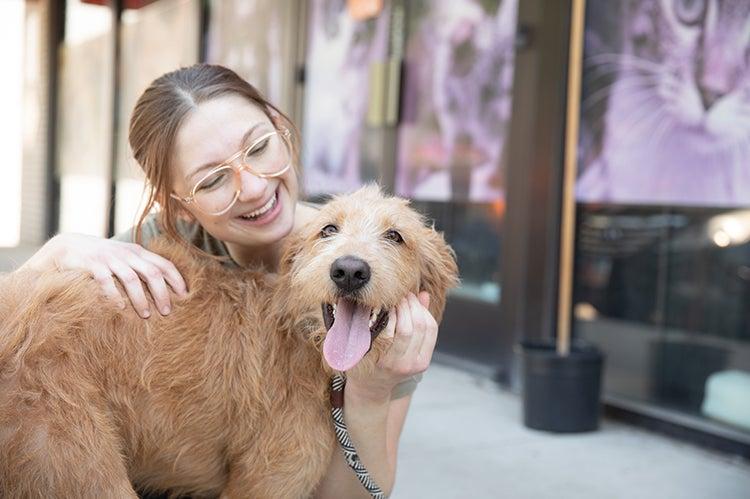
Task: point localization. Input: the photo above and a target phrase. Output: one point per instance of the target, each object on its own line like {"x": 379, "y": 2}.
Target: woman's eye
{"x": 258, "y": 148}
{"x": 329, "y": 230}
{"x": 212, "y": 181}
{"x": 690, "y": 12}
{"x": 394, "y": 236}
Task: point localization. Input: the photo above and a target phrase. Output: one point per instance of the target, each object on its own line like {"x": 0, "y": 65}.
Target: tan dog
{"x": 228, "y": 395}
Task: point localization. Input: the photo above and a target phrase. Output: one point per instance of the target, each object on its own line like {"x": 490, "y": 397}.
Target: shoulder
{"x": 150, "y": 229}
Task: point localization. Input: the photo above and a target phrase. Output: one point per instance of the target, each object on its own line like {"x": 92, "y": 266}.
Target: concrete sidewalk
{"x": 464, "y": 439}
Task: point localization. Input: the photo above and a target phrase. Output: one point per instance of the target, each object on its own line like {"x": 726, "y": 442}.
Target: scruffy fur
{"x": 226, "y": 396}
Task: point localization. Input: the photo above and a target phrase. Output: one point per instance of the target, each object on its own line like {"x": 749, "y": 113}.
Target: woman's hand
{"x": 106, "y": 259}
{"x": 414, "y": 333}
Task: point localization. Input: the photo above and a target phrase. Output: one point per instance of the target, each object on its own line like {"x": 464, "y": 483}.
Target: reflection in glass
{"x": 341, "y": 55}
{"x": 457, "y": 99}
{"x": 84, "y": 118}
{"x": 666, "y": 293}
{"x": 157, "y": 38}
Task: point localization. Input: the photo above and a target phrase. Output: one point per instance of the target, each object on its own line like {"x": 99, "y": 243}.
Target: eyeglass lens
{"x": 218, "y": 190}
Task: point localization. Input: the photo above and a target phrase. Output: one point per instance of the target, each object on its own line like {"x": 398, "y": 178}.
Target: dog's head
{"x": 359, "y": 257}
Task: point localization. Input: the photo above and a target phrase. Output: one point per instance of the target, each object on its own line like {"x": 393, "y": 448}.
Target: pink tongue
{"x": 349, "y": 338}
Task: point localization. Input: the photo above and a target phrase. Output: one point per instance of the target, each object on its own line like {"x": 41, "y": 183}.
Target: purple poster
{"x": 457, "y": 101}
{"x": 340, "y": 53}
{"x": 665, "y": 103}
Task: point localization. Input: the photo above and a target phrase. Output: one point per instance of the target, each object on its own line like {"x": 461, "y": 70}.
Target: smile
{"x": 253, "y": 215}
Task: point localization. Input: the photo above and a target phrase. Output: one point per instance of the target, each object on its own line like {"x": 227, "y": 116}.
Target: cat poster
{"x": 340, "y": 53}
{"x": 456, "y": 104}
{"x": 665, "y": 106}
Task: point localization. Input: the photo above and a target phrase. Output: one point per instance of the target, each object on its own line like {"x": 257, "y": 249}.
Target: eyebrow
{"x": 212, "y": 164}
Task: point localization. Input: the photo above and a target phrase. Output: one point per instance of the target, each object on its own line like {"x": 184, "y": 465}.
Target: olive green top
{"x": 198, "y": 236}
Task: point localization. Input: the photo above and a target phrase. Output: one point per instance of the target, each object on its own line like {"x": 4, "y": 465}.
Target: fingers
{"x": 133, "y": 287}
{"x": 404, "y": 330}
{"x": 171, "y": 274}
{"x": 424, "y": 299}
{"x": 415, "y": 335}
{"x": 103, "y": 276}
{"x": 429, "y": 340}
{"x": 154, "y": 279}
{"x": 390, "y": 329}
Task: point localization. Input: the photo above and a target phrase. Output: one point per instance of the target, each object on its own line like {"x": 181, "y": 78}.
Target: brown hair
{"x": 157, "y": 117}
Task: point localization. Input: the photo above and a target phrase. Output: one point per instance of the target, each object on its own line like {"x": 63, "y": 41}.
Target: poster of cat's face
{"x": 456, "y": 99}
{"x": 665, "y": 103}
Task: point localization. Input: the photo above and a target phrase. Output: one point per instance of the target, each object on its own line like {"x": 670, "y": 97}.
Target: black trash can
{"x": 561, "y": 394}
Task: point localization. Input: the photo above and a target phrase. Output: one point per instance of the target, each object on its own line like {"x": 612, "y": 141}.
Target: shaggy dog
{"x": 228, "y": 395}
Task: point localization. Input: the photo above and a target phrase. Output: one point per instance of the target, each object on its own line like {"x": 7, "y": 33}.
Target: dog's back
{"x": 86, "y": 383}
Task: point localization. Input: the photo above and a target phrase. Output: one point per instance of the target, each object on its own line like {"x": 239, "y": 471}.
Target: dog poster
{"x": 457, "y": 99}
{"x": 665, "y": 106}
{"x": 341, "y": 51}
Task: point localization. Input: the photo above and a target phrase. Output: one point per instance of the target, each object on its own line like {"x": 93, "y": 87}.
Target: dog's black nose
{"x": 350, "y": 273}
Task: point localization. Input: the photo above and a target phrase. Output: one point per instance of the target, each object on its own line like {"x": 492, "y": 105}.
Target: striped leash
{"x": 338, "y": 382}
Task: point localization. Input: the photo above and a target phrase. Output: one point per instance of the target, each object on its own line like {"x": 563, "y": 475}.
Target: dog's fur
{"x": 227, "y": 395}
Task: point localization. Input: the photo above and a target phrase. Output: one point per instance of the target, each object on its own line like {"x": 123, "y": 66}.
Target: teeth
{"x": 263, "y": 209}
{"x": 334, "y": 310}
{"x": 374, "y": 315}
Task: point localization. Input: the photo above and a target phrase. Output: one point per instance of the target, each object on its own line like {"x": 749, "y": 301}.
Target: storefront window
{"x": 663, "y": 242}
{"x": 264, "y": 55}
{"x": 157, "y": 38}
{"x": 454, "y": 121}
{"x": 11, "y": 137}
{"x": 435, "y": 136}
{"x": 84, "y": 118}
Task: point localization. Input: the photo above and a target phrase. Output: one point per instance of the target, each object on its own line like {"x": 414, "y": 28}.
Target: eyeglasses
{"x": 268, "y": 156}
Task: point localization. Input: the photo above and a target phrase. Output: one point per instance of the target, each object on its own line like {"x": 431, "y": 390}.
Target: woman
{"x": 217, "y": 158}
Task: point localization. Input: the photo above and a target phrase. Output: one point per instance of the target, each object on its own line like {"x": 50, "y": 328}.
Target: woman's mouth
{"x": 265, "y": 213}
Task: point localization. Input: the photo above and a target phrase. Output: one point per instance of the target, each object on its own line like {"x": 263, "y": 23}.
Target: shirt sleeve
{"x": 406, "y": 387}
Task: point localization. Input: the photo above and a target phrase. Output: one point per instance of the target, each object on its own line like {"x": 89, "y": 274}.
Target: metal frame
{"x": 56, "y": 35}
{"x": 530, "y": 261}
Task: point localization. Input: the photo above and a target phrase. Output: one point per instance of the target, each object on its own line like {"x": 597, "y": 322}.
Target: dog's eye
{"x": 394, "y": 236}
{"x": 329, "y": 230}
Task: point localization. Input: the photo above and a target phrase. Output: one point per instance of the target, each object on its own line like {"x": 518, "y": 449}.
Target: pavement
{"x": 464, "y": 438}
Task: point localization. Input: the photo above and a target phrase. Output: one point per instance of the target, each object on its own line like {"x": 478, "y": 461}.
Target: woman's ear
{"x": 438, "y": 270}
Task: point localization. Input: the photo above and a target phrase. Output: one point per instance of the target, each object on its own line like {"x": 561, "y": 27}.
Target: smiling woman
{"x": 220, "y": 162}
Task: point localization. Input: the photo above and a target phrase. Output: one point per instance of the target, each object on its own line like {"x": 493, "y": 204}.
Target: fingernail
{"x": 146, "y": 314}
{"x": 165, "y": 310}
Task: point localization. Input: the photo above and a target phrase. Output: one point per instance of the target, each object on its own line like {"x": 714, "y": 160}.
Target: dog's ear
{"x": 438, "y": 270}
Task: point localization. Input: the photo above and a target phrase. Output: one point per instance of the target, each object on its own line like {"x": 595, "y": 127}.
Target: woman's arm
{"x": 374, "y": 420}
{"x": 375, "y": 428}
{"x": 107, "y": 259}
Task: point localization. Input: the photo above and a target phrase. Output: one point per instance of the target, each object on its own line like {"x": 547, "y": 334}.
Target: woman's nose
{"x": 252, "y": 187}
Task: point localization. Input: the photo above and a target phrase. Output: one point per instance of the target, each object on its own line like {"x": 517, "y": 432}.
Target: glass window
{"x": 454, "y": 120}
{"x": 662, "y": 280}
{"x": 84, "y": 118}
{"x": 263, "y": 55}
{"x": 157, "y": 38}
{"x": 11, "y": 137}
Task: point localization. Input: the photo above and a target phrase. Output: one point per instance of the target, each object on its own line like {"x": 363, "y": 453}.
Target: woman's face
{"x": 213, "y": 133}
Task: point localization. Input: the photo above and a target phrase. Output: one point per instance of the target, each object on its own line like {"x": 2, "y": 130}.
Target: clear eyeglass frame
{"x": 285, "y": 135}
